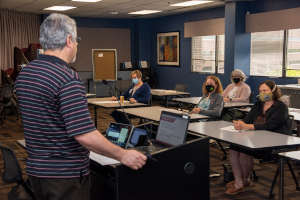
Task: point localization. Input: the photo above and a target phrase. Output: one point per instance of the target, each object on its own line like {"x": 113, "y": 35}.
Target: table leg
{"x": 298, "y": 129}
{"x": 167, "y": 101}
{"x": 281, "y": 187}
{"x": 95, "y": 116}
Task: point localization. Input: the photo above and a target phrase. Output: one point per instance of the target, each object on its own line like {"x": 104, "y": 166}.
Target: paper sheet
{"x": 103, "y": 160}
{"x": 230, "y": 128}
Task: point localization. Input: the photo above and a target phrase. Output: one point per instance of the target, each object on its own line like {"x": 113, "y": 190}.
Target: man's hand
{"x": 113, "y": 98}
{"x": 195, "y": 110}
{"x": 133, "y": 159}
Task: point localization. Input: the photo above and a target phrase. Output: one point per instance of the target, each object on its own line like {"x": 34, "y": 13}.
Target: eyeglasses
{"x": 78, "y": 39}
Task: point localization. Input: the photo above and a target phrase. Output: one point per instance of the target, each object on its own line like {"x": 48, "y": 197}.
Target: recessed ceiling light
{"x": 190, "y": 3}
{"x": 88, "y": 1}
{"x": 144, "y": 12}
{"x": 60, "y": 8}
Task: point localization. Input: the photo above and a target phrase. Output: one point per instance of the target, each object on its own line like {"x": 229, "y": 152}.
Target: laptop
{"x": 172, "y": 128}
{"x": 119, "y": 134}
{"x": 171, "y": 131}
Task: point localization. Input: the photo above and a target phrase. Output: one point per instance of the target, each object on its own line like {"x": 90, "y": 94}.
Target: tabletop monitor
{"x": 172, "y": 128}
{"x": 119, "y": 134}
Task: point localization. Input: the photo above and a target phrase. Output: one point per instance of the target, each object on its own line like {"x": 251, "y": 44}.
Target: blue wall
{"x": 168, "y": 77}
{"x": 238, "y": 54}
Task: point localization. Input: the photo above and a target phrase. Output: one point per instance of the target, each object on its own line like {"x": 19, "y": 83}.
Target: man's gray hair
{"x": 55, "y": 29}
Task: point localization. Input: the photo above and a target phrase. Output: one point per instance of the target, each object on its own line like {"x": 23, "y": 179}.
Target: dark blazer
{"x": 276, "y": 117}
{"x": 141, "y": 95}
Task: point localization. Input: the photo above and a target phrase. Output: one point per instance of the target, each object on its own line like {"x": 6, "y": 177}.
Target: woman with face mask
{"x": 211, "y": 103}
{"x": 237, "y": 91}
{"x": 139, "y": 91}
{"x": 269, "y": 113}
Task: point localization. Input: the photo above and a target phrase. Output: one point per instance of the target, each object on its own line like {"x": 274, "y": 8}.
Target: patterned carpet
{"x": 11, "y": 130}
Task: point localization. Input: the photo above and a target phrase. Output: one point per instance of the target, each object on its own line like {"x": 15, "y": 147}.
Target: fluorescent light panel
{"x": 144, "y": 12}
{"x": 60, "y": 8}
{"x": 190, "y": 3}
{"x": 88, "y": 1}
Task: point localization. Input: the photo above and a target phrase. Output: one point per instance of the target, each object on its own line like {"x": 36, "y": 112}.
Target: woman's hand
{"x": 226, "y": 99}
{"x": 132, "y": 100}
{"x": 237, "y": 124}
{"x": 240, "y": 125}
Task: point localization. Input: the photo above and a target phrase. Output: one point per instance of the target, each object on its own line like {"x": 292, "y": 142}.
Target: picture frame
{"x": 168, "y": 48}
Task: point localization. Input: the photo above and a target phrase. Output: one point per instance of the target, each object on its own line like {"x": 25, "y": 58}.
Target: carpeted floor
{"x": 11, "y": 130}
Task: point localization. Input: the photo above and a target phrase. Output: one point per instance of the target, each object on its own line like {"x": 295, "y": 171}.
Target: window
{"x": 221, "y": 47}
{"x": 267, "y": 53}
{"x": 208, "y": 54}
{"x": 275, "y": 53}
{"x": 293, "y": 53}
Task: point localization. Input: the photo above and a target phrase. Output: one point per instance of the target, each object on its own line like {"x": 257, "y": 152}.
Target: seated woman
{"x": 237, "y": 91}
{"x": 211, "y": 103}
{"x": 269, "y": 113}
{"x": 139, "y": 92}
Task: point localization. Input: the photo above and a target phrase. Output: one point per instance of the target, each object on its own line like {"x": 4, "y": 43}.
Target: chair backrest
{"x": 290, "y": 124}
{"x": 12, "y": 171}
{"x": 122, "y": 85}
{"x": 180, "y": 87}
{"x": 285, "y": 99}
{"x": 6, "y": 93}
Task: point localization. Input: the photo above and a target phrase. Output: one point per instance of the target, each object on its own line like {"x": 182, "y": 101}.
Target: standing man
{"x": 58, "y": 129}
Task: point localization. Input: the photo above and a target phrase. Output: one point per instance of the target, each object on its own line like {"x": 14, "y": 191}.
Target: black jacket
{"x": 276, "y": 117}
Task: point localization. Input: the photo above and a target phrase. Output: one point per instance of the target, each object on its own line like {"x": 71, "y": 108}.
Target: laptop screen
{"x": 137, "y": 132}
{"x": 119, "y": 134}
{"x": 172, "y": 128}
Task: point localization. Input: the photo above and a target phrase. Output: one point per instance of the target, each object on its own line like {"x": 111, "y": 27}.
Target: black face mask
{"x": 209, "y": 88}
{"x": 236, "y": 80}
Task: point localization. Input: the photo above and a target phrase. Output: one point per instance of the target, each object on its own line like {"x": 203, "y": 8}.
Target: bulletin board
{"x": 104, "y": 64}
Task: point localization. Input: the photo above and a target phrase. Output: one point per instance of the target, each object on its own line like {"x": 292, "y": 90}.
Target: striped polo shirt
{"x": 53, "y": 106}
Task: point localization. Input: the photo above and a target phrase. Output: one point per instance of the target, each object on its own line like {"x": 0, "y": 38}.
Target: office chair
{"x": 13, "y": 174}
{"x": 181, "y": 88}
{"x": 7, "y": 101}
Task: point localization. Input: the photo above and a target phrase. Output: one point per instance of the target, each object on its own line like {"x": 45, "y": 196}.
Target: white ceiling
{"x": 103, "y": 8}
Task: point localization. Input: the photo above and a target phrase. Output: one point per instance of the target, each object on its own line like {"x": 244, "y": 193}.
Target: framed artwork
{"x": 168, "y": 48}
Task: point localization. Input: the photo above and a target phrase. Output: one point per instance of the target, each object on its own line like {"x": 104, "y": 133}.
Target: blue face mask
{"x": 135, "y": 81}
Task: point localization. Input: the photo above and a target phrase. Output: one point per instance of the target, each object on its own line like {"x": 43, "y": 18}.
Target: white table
{"x": 90, "y": 95}
{"x": 290, "y": 86}
{"x": 253, "y": 140}
{"x": 163, "y": 92}
{"x": 108, "y": 103}
{"x": 292, "y": 155}
{"x": 195, "y": 100}
{"x": 153, "y": 113}
{"x": 167, "y": 93}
